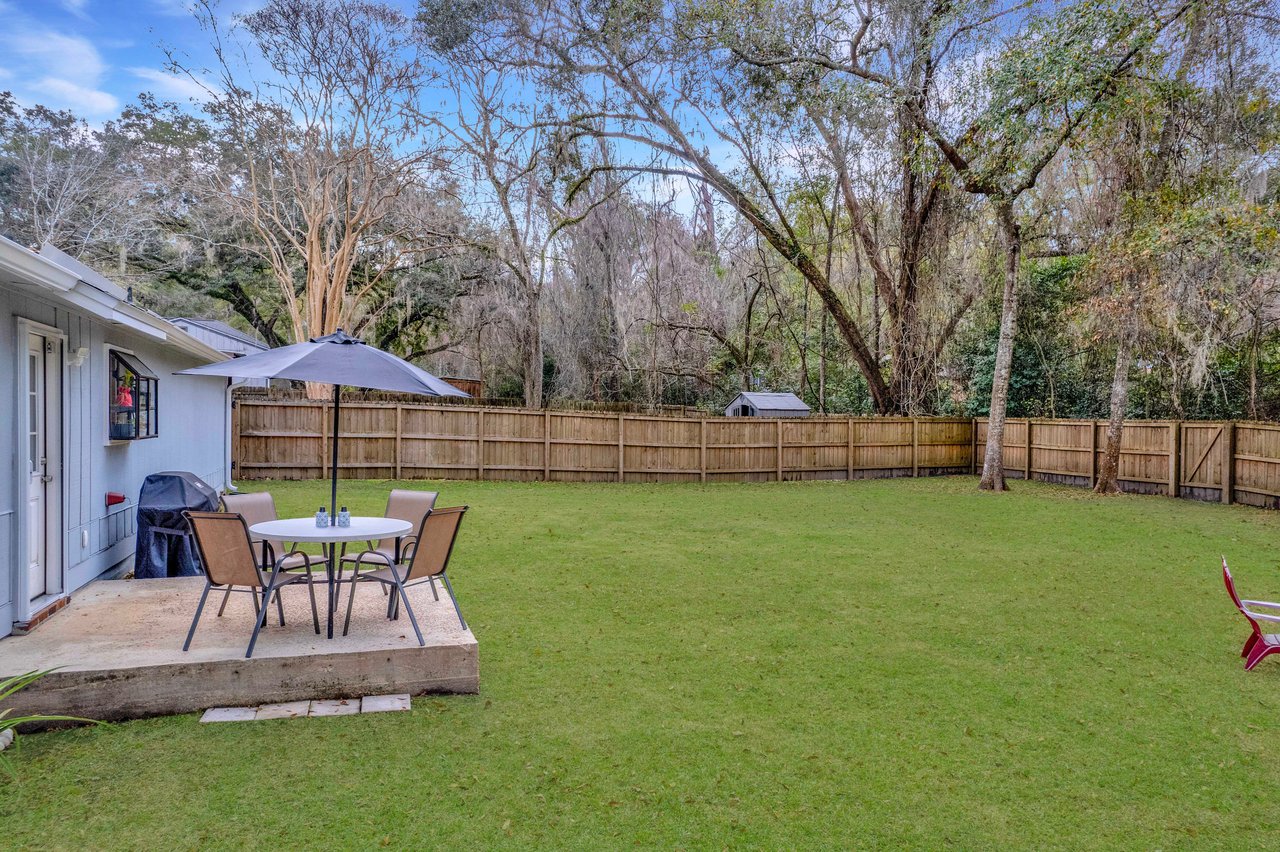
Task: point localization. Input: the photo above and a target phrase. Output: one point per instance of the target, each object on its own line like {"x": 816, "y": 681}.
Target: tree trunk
{"x": 533, "y": 362}
{"x": 1109, "y": 470}
{"x": 993, "y": 460}
{"x": 822, "y": 368}
{"x": 1254, "y": 344}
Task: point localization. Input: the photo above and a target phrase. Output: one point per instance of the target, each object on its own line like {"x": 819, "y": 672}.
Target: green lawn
{"x": 897, "y": 663}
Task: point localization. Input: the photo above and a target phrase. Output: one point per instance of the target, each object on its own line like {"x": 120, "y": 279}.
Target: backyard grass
{"x": 893, "y": 663}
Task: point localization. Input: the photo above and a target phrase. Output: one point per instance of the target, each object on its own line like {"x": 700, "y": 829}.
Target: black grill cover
{"x": 163, "y": 498}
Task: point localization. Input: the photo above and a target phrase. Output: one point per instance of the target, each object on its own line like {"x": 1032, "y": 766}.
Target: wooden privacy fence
{"x": 289, "y": 439}
{"x": 1230, "y": 462}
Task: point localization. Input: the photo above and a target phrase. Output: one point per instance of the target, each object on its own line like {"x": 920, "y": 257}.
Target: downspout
{"x": 232, "y": 384}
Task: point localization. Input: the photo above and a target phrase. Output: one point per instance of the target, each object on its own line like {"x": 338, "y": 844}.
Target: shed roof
{"x": 773, "y": 401}
{"x": 220, "y": 327}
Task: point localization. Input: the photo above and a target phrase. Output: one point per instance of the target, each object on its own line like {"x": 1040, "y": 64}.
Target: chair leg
{"x": 1257, "y": 653}
{"x": 199, "y": 609}
{"x": 408, "y": 608}
{"x": 434, "y": 593}
{"x": 311, "y": 593}
{"x": 454, "y": 598}
{"x": 262, "y": 613}
{"x": 280, "y": 606}
{"x": 226, "y": 596}
{"x": 351, "y": 599}
{"x": 1248, "y": 644}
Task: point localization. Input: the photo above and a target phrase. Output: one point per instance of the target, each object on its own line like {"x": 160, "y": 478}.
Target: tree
{"x": 320, "y": 156}
{"x": 1183, "y": 244}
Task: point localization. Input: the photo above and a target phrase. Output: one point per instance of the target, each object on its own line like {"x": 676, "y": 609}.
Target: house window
{"x": 132, "y": 387}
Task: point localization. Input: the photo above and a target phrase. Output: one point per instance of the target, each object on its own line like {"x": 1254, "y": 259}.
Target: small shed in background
{"x": 753, "y": 404}
{"x": 228, "y": 340}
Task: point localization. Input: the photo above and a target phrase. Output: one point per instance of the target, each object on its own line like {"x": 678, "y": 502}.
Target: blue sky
{"x": 94, "y": 56}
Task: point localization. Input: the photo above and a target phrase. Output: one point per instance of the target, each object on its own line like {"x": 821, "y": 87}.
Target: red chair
{"x": 1258, "y": 645}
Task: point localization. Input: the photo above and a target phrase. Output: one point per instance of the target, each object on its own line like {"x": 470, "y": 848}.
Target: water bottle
{"x": 322, "y": 518}
{"x": 344, "y": 517}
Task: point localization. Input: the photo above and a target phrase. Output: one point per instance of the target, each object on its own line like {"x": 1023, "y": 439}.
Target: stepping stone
{"x": 230, "y": 714}
{"x": 287, "y": 710}
{"x": 384, "y": 703}
{"x": 335, "y": 707}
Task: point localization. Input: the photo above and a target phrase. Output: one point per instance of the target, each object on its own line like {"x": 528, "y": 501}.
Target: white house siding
{"x": 192, "y": 436}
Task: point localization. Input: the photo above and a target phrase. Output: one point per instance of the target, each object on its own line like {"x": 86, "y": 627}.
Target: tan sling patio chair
{"x": 405, "y": 505}
{"x": 426, "y": 561}
{"x": 229, "y": 560}
{"x": 256, "y": 508}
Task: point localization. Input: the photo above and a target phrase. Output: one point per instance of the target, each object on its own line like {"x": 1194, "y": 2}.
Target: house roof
{"x": 773, "y": 401}
{"x": 220, "y": 327}
{"x": 61, "y": 278}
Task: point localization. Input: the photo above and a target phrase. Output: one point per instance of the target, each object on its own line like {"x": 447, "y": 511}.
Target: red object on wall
{"x": 114, "y": 498}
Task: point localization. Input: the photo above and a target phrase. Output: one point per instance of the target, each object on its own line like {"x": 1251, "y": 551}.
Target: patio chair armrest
{"x": 408, "y": 548}
{"x": 1265, "y": 616}
{"x": 278, "y": 562}
{"x": 373, "y": 557}
{"x": 1262, "y": 603}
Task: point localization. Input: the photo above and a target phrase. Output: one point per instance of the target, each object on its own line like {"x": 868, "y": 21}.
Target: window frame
{"x": 146, "y": 386}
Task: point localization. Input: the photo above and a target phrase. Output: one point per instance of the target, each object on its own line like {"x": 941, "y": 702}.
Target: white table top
{"x": 305, "y": 529}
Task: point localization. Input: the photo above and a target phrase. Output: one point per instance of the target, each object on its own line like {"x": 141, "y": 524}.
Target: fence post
{"x": 973, "y": 446}
{"x": 622, "y": 449}
{"x": 399, "y": 436}
{"x": 779, "y": 451}
{"x": 702, "y": 449}
{"x": 480, "y": 444}
{"x": 915, "y": 446}
{"x": 1093, "y": 453}
{"x": 849, "y": 457}
{"x": 1026, "y": 472}
{"x": 1175, "y": 457}
{"x": 1228, "y": 461}
{"x": 546, "y": 445}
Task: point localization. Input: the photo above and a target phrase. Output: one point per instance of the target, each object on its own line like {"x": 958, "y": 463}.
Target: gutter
{"x": 93, "y": 294}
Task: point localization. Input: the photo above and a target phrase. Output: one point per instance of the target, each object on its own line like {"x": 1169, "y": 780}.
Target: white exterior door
{"x": 44, "y": 465}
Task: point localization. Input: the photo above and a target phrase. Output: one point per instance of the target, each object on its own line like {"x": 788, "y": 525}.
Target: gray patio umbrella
{"x": 337, "y": 359}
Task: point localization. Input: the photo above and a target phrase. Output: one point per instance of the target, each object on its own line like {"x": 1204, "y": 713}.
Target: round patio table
{"x": 304, "y": 529}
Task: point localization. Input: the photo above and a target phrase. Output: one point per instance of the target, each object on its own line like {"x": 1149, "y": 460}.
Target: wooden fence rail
{"x": 274, "y": 439}
{"x": 1230, "y": 462}
{"x": 290, "y": 440}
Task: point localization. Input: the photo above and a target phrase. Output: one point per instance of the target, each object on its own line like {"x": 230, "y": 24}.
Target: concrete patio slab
{"x": 118, "y": 649}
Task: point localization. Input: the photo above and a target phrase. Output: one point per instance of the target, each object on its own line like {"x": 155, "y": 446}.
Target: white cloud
{"x": 79, "y": 99}
{"x": 58, "y": 70}
{"x": 170, "y": 85}
{"x": 56, "y": 53}
{"x": 76, "y": 7}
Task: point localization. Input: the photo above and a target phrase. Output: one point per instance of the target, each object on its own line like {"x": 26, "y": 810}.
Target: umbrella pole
{"x": 331, "y": 564}
{"x": 333, "y": 469}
